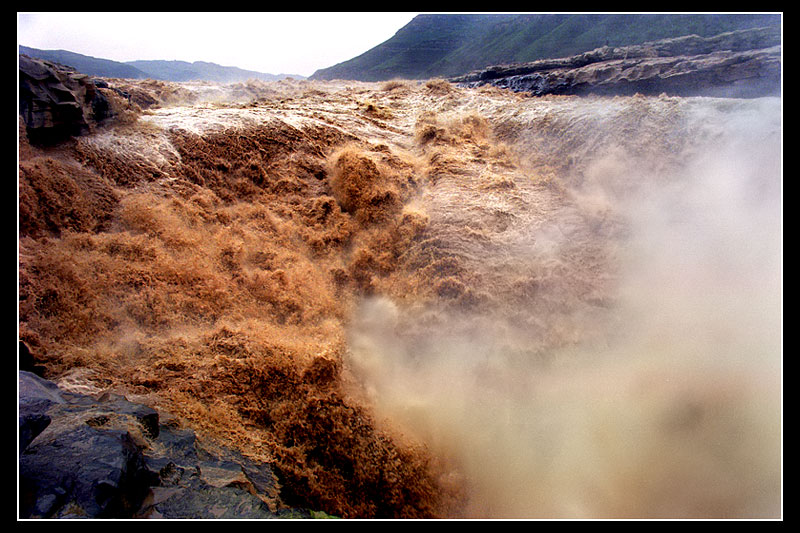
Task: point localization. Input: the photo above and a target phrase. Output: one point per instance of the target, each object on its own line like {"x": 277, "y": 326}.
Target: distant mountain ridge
{"x": 434, "y": 45}
{"x": 200, "y": 70}
{"x": 92, "y": 66}
{"x": 154, "y": 69}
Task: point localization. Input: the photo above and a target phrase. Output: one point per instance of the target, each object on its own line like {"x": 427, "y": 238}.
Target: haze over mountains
{"x": 155, "y": 69}
{"x": 446, "y": 45}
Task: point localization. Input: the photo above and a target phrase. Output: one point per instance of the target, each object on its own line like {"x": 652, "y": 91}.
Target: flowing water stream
{"x": 418, "y": 300}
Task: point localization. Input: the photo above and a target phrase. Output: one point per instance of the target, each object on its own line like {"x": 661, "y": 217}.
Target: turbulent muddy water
{"x": 417, "y": 300}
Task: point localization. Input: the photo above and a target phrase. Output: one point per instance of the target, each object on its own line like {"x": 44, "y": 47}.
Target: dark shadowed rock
{"x": 86, "y": 461}
{"x": 196, "y": 499}
{"x": 27, "y": 361}
{"x": 75, "y": 470}
{"x": 36, "y": 396}
{"x": 55, "y": 101}
{"x": 83, "y": 456}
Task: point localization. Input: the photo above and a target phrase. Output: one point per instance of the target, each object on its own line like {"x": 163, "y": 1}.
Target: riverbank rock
{"x": 744, "y": 64}
{"x": 84, "y": 456}
{"x": 56, "y": 101}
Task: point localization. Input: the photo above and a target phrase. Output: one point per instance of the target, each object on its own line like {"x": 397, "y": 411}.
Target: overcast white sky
{"x": 275, "y": 43}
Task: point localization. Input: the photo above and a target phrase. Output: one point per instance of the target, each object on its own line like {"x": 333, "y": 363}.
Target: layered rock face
{"x": 56, "y": 101}
{"x": 744, "y": 63}
{"x": 87, "y": 456}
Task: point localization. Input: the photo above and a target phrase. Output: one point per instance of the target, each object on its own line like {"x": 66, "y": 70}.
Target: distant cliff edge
{"x": 744, "y": 63}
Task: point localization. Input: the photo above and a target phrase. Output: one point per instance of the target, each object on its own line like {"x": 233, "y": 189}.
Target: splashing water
{"x": 417, "y": 300}
{"x": 654, "y": 394}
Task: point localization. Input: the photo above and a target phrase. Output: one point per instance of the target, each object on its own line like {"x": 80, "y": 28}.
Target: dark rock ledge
{"x": 56, "y": 101}
{"x": 742, "y": 64}
{"x": 82, "y": 456}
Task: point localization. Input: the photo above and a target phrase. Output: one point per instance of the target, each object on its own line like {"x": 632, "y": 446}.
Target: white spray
{"x": 674, "y": 410}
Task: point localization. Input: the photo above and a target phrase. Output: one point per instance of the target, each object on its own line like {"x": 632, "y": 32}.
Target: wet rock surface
{"x": 56, "y": 101}
{"x": 82, "y": 456}
{"x": 745, "y": 63}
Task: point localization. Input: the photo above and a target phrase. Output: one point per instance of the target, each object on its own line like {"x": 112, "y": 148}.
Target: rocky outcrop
{"x": 56, "y": 101}
{"x": 744, "y": 63}
{"x": 82, "y": 456}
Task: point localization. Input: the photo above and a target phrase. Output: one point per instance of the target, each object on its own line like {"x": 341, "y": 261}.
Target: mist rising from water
{"x": 673, "y": 409}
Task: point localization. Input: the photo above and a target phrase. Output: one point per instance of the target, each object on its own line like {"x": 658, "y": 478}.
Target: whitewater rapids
{"x": 573, "y": 305}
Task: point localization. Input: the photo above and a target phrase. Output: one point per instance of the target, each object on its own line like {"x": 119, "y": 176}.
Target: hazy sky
{"x": 275, "y": 43}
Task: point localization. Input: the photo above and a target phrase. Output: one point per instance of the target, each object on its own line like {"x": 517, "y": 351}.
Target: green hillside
{"x": 451, "y": 45}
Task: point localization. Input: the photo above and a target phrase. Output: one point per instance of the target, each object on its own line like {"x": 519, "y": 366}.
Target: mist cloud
{"x": 674, "y": 409}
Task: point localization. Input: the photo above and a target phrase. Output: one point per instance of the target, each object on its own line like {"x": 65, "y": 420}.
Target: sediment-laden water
{"x": 417, "y": 300}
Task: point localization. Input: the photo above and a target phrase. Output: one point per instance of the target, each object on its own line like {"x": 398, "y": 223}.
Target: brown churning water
{"x": 424, "y": 301}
